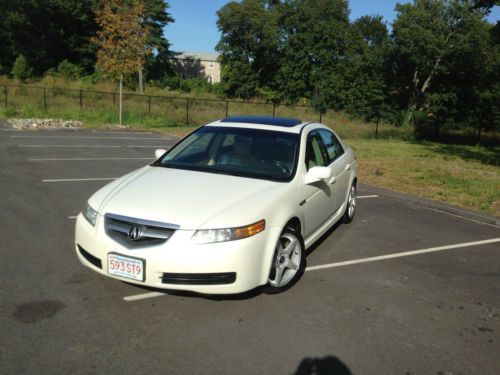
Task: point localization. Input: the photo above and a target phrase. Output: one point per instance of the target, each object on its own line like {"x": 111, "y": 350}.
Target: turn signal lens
{"x": 228, "y": 234}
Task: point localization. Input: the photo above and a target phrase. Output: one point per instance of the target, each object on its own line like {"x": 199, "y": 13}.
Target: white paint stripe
{"x": 88, "y": 159}
{"x": 72, "y": 217}
{"x": 48, "y": 146}
{"x": 350, "y": 262}
{"x": 143, "y": 296}
{"x": 403, "y": 254}
{"x": 80, "y": 137}
{"x": 98, "y": 146}
{"x": 367, "y": 196}
{"x": 81, "y": 179}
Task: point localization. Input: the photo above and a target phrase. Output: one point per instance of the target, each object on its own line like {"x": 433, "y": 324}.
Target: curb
{"x": 436, "y": 205}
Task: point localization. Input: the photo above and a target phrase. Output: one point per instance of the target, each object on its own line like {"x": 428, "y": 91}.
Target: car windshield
{"x": 252, "y": 153}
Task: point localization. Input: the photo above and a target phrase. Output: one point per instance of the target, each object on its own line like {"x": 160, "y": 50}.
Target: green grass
{"x": 428, "y": 171}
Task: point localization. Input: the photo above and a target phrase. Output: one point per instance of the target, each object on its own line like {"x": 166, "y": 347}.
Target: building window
{"x": 210, "y": 64}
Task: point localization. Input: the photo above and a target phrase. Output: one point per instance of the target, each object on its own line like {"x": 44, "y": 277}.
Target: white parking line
{"x": 48, "y": 146}
{"x": 72, "y": 217}
{"x": 79, "y": 137}
{"x": 81, "y": 179}
{"x": 366, "y": 196}
{"x": 98, "y": 146}
{"x": 137, "y": 297}
{"x": 86, "y": 159}
{"x": 404, "y": 254}
{"x": 143, "y": 296}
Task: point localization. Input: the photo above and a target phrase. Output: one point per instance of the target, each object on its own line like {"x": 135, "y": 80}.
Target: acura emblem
{"x": 135, "y": 233}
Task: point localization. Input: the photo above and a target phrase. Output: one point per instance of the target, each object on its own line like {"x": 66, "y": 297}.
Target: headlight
{"x": 228, "y": 234}
{"x": 90, "y": 214}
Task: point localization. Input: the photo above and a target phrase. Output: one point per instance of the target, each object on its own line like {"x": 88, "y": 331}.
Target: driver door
{"x": 319, "y": 196}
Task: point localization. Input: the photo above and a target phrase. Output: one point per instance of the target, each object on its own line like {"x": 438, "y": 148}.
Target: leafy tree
{"x": 121, "y": 40}
{"x": 47, "y": 32}
{"x": 21, "y": 70}
{"x": 249, "y": 45}
{"x": 315, "y": 33}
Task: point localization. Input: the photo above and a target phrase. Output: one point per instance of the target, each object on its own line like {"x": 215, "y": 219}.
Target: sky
{"x": 195, "y": 26}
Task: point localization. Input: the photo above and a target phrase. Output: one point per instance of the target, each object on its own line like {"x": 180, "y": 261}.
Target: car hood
{"x": 182, "y": 197}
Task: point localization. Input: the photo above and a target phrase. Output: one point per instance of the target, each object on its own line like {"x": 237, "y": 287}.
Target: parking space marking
{"x": 403, "y": 254}
{"x": 95, "y": 146}
{"x": 366, "y": 196}
{"x": 72, "y": 217}
{"x": 81, "y": 179}
{"x": 86, "y": 159}
{"x": 80, "y": 137}
{"x": 48, "y": 146}
{"x": 137, "y": 297}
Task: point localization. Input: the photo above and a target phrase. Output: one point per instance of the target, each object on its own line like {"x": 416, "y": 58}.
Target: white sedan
{"x": 231, "y": 207}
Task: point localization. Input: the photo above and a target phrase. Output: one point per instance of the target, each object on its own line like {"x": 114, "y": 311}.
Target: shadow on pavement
{"x": 329, "y": 365}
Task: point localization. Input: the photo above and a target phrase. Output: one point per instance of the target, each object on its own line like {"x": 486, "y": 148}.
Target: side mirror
{"x": 316, "y": 174}
{"x": 159, "y": 152}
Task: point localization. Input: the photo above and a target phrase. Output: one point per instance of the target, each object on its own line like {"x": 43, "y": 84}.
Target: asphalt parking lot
{"x": 405, "y": 289}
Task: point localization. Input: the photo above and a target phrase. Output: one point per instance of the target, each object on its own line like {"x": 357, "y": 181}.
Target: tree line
{"x": 437, "y": 66}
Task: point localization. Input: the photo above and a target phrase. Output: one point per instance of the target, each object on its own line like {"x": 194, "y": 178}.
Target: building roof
{"x": 204, "y": 56}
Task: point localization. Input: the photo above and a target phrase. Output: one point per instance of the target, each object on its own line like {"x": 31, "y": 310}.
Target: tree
{"x": 47, "y": 32}
{"x": 249, "y": 45}
{"x": 121, "y": 40}
{"x": 315, "y": 47}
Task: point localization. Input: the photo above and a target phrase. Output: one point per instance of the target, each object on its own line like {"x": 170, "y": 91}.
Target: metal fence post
{"x": 5, "y": 91}
{"x": 320, "y": 116}
{"x": 44, "y": 99}
{"x": 227, "y": 107}
{"x": 187, "y": 111}
{"x": 114, "y": 100}
{"x": 149, "y": 105}
{"x": 81, "y": 100}
{"x": 274, "y": 109}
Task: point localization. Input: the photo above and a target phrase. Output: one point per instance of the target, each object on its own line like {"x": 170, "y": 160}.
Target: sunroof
{"x": 264, "y": 120}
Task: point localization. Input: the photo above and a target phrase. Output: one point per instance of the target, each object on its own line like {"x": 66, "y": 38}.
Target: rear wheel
{"x": 288, "y": 262}
{"x": 350, "y": 208}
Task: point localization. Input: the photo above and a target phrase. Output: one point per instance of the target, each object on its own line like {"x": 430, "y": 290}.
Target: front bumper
{"x": 178, "y": 264}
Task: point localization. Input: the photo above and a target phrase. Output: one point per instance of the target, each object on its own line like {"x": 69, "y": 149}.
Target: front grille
{"x": 90, "y": 258}
{"x": 199, "y": 278}
{"x": 147, "y": 232}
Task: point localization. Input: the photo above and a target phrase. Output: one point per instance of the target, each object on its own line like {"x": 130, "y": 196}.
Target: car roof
{"x": 289, "y": 125}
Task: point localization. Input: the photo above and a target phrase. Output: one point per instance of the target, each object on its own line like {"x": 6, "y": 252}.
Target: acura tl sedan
{"x": 231, "y": 207}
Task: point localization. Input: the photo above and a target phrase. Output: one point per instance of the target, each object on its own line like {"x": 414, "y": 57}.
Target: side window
{"x": 333, "y": 147}
{"x": 315, "y": 154}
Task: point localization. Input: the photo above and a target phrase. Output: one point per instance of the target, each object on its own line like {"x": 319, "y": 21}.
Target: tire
{"x": 288, "y": 262}
{"x": 350, "y": 208}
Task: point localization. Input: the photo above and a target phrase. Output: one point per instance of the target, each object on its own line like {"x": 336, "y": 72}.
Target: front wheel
{"x": 350, "y": 208}
{"x": 288, "y": 262}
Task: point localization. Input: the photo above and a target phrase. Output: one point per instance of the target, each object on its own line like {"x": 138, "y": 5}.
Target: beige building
{"x": 197, "y": 64}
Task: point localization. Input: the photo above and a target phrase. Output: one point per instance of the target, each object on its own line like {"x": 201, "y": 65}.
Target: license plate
{"x": 130, "y": 268}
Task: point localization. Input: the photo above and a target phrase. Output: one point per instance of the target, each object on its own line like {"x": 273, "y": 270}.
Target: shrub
{"x": 21, "y": 70}
{"x": 68, "y": 70}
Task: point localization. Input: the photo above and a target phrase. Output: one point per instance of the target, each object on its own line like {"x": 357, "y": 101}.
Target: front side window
{"x": 252, "y": 153}
{"x": 315, "y": 151}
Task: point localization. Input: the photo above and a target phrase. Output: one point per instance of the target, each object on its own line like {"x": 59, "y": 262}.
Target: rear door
{"x": 337, "y": 161}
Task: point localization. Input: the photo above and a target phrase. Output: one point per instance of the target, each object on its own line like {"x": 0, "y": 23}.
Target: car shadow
{"x": 322, "y": 238}
{"x": 328, "y": 365}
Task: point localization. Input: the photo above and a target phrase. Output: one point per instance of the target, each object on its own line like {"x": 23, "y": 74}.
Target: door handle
{"x": 332, "y": 180}
{"x": 348, "y": 167}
